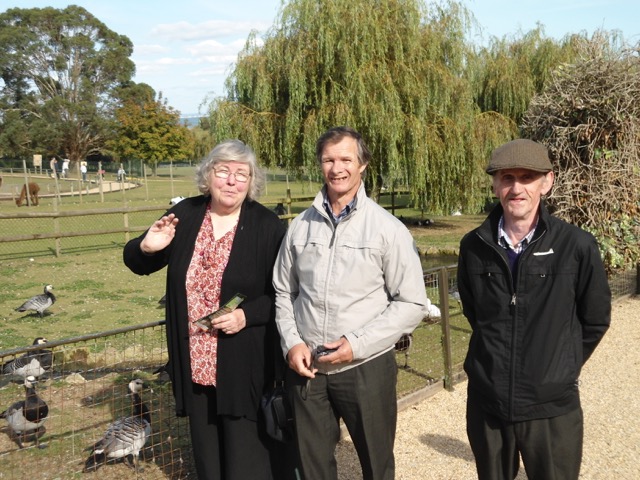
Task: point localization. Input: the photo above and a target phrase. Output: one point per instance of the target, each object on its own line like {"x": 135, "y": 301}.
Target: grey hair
{"x": 231, "y": 151}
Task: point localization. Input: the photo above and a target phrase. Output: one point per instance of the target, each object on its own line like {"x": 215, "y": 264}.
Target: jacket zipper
{"x": 513, "y": 307}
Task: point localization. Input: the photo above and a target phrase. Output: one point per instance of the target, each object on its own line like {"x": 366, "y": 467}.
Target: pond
{"x": 437, "y": 260}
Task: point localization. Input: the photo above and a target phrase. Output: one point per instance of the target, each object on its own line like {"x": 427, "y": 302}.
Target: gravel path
{"x": 431, "y": 441}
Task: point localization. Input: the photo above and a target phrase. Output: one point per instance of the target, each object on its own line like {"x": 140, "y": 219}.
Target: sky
{"x": 186, "y": 48}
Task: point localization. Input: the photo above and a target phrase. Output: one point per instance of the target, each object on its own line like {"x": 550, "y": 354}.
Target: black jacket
{"x": 530, "y": 339}
{"x": 246, "y": 359}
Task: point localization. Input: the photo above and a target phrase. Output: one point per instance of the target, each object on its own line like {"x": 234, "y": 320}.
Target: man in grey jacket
{"x": 349, "y": 284}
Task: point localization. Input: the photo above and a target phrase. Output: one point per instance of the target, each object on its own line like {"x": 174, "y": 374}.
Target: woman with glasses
{"x": 216, "y": 246}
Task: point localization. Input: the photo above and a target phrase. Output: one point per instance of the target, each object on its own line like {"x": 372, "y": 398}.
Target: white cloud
{"x": 214, "y": 48}
{"x": 151, "y": 49}
{"x": 186, "y": 31}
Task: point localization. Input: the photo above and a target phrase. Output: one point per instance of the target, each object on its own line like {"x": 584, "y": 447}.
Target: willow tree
{"x": 511, "y": 70}
{"x": 394, "y": 70}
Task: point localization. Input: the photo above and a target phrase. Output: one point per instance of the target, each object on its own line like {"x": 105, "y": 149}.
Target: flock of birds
{"x": 126, "y": 436}
{"x": 123, "y": 439}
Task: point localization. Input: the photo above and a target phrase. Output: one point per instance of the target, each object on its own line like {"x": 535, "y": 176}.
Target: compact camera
{"x": 321, "y": 351}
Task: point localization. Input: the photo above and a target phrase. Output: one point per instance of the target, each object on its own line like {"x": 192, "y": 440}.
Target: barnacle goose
{"x": 33, "y": 363}
{"x": 26, "y": 417}
{"x": 125, "y": 437}
{"x": 39, "y": 303}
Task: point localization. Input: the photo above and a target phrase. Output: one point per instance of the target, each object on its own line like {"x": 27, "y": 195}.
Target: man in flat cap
{"x": 535, "y": 293}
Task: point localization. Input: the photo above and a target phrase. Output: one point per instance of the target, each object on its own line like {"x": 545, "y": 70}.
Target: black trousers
{"x": 228, "y": 448}
{"x": 551, "y": 448}
{"x": 364, "y": 397}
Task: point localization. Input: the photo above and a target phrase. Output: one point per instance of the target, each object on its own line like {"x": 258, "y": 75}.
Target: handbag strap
{"x": 278, "y": 360}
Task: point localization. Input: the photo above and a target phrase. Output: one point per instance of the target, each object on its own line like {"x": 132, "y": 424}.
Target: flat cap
{"x": 520, "y": 153}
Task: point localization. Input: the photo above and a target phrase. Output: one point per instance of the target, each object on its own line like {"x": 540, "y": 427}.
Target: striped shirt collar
{"x": 345, "y": 211}
{"x": 505, "y": 242}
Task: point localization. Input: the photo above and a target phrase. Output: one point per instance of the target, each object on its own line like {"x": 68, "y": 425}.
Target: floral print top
{"x": 204, "y": 279}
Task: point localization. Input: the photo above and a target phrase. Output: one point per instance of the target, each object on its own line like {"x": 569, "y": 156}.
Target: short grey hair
{"x": 231, "y": 151}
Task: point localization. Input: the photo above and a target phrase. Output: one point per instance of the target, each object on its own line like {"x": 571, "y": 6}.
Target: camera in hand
{"x": 321, "y": 351}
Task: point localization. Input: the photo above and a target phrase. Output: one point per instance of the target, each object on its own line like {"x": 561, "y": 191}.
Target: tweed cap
{"x": 520, "y": 153}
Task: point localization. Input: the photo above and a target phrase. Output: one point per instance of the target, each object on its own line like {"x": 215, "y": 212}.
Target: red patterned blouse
{"x": 204, "y": 278}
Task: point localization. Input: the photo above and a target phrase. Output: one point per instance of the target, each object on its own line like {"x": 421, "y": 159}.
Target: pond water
{"x": 437, "y": 260}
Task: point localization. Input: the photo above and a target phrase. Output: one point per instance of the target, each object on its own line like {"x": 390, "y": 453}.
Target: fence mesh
{"x": 86, "y": 390}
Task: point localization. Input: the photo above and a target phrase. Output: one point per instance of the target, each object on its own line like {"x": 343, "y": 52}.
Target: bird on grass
{"x": 125, "y": 437}
{"x": 33, "y": 363}
{"x": 39, "y": 303}
{"x": 26, "y": 417}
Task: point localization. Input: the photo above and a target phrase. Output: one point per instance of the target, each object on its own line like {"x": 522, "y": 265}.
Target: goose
{"x": 125, "y": 437}
{"x": 26, "y": 417}
{"x": 404, "y": 345}
{"x": 39, "y": 303}
{"x": 453, "y": 291}
{"x": 33, "y": 363}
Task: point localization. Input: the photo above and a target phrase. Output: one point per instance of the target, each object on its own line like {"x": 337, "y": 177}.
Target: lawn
{"x": 96, "y": 292}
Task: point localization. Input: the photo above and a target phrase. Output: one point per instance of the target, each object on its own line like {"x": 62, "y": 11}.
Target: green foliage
{"x": 149, "y": 130}
{"x": 511, "y": 71}
{"x": 395, "y": 72}
{"x": 60, "y": 69}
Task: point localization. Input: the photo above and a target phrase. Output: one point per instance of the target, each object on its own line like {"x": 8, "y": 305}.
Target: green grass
{"x": 95, "y": 291}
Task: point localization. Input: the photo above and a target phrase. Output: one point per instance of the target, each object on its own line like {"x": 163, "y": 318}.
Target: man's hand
{"x": 343, "y": 353}
{"x": 301, "y": 360}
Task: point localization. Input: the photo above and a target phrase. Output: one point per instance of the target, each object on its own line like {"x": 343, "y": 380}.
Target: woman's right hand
{"x": 160, "y": 234}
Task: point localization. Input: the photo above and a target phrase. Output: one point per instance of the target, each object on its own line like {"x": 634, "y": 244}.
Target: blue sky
{"x": 185, "y": 48}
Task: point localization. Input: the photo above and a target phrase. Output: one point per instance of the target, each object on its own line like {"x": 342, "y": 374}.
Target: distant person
{"x": 279, "y": 209}
{"x": 535, "y": 292}
{"x": 121, "y": 175}
{"x": 53, "y": 164}
{"x": 349, "y": 284}
{"x": 217, "y": 245}
{"x": 83, "y": 171}
{"x": 65, "y": 168}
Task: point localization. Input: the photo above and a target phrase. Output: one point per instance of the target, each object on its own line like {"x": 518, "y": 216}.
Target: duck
{"x": 125, "y": 437}
{"x": 33, "y": 363}
{"x": 39, "y": 303}
{"x": 26, "y": 417}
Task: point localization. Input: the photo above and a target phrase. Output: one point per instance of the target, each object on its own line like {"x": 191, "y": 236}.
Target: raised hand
{"x": 160, "y": 234}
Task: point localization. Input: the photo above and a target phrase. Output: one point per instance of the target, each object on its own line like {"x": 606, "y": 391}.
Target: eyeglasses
{"x": 241, "y": 177}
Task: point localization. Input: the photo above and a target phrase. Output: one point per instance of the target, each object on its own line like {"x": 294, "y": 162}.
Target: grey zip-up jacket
{"x": 361, "y": 279}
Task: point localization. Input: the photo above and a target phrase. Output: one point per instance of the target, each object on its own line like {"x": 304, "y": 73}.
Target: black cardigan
{"x": 246, "y": 359}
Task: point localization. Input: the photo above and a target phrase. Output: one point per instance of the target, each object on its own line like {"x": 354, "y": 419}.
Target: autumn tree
{"x": 149, "y": 130}
{"x": 589, "y": 117}
{"x": 59, "y": 69}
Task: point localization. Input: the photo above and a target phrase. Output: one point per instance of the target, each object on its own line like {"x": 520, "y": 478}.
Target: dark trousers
{"x": 225, "y": 447}
{"x": 551, "y": 448}
{"x": 364, "y": 397}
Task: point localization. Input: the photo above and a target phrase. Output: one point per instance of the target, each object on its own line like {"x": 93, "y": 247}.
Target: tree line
{"x": 430, "y": 101}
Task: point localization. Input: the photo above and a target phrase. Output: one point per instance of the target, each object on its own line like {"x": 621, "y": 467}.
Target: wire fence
{"x": 85, "y": 391}
{"x": 86, "y": 386}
